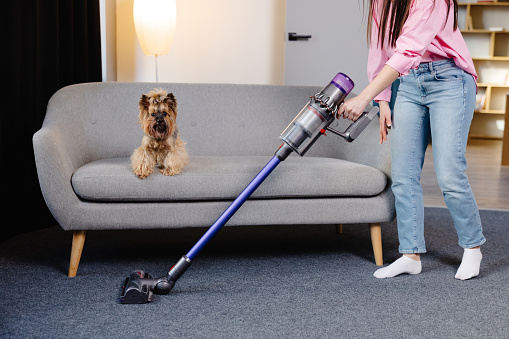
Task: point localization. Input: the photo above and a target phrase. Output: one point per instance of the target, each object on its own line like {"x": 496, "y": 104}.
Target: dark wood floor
{"x": 489, "y": 180}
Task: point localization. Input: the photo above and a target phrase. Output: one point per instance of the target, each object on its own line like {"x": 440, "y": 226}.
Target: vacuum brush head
{"x": 139, "y": 287}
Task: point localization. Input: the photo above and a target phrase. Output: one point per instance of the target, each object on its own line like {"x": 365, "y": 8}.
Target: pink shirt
{"x": 423, "y": 39}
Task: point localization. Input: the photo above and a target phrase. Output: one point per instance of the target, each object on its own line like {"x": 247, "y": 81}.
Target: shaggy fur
{"x": 161, "y": 145}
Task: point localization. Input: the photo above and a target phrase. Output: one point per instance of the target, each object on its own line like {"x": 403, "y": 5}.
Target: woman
{"x": 418, "y": 42}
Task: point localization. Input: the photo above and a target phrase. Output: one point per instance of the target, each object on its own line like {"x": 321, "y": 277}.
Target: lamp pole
{"x": 157, "y": 77}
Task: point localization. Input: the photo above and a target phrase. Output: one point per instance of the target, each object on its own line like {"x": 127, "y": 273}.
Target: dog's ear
{"x": 144, "y": 102}
{"x": 171, "y": 101}
{"x": 144, "y": 105}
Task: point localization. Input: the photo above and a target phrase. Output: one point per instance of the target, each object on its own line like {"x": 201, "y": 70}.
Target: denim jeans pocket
{"x": 448, "y": 74}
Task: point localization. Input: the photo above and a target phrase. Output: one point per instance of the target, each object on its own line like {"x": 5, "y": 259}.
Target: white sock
{"x": 400, "y": 266}
{"x": 470, "y": 264}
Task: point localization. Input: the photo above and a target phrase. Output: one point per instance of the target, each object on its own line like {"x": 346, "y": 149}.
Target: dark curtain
{"x": 50, "y": 44}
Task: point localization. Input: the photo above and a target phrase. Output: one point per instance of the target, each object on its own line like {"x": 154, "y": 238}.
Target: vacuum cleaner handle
{"x": 355, "y": 129}
{"x": 298, "y": 137}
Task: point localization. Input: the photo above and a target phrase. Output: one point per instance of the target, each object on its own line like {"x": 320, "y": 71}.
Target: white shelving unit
{"x": 485, "y": 27}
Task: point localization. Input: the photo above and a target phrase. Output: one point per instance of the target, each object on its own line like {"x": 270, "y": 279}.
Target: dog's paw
{"x": 171, "y": 171}
{"x": 142, "y": 173}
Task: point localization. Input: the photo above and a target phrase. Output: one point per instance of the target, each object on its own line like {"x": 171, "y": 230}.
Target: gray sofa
{"x": 90, "y": 130}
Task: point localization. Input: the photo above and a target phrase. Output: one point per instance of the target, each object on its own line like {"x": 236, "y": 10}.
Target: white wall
{"x": 216, "y": 41}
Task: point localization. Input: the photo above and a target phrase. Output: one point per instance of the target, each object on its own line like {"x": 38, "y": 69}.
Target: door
{"x": 331, "y": 38}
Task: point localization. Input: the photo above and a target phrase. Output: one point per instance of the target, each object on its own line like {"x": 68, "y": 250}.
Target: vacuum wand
{"x": 312, "y": 122}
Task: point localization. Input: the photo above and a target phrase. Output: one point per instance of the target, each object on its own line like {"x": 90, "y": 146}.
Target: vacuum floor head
{"x": 137, "y": 288}
{"x": 140, "y": 286}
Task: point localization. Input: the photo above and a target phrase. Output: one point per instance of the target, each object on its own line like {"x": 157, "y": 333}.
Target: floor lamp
{"x": 154, "y": 22}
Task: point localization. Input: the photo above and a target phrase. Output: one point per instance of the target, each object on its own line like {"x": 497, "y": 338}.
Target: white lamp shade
{"x": 154, "y": 21}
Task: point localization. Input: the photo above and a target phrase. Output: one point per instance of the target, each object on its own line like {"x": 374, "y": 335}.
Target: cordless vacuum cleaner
{"x": 299, "y": 136}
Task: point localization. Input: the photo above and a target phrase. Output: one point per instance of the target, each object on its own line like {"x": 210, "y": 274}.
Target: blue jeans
{"x": 434, "y": 101}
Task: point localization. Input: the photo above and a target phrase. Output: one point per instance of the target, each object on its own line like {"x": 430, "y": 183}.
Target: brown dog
{"x": 161, "y": 145}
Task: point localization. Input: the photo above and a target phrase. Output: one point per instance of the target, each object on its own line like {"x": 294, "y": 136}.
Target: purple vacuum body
{"x": 317, "y": 115}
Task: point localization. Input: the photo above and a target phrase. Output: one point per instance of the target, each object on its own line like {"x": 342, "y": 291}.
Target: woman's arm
{"x": 353, "y": 108}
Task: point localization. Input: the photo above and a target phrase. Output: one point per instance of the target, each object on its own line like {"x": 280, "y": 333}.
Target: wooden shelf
{"x": 491, "y": 98}
{"x": 490, "y": 111}
{"x": 484, "y": 3}
{"x": 482, "y": 84}
{"x": 472, "y": 30}
{"x": 480, "y": 3}
{"x": 493, "y": 58}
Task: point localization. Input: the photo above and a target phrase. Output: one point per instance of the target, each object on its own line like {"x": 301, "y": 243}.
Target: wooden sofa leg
{"x": 339, "y": 228}
{"x": 78, "y": 240}
{"x": 376, "y": 240}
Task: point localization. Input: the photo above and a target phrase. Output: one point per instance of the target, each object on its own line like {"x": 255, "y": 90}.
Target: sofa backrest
{"x": 214, "y": 119}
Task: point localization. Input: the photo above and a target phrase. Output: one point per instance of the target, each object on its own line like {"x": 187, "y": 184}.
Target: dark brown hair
{"x": 394, "y": 15}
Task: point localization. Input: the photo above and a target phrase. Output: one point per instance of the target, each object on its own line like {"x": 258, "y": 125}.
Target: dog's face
{"x": 158, "y": 114}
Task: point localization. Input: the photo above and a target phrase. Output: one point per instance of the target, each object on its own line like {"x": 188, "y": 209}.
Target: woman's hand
{"x": 353, "y": 108}
{"x": 385, "y": 120}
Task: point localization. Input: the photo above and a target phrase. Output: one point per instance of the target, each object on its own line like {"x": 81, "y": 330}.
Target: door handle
{"x": 295, "y": 37}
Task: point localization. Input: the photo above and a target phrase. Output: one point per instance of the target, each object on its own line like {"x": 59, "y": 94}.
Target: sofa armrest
{"x": 56, "y": 160}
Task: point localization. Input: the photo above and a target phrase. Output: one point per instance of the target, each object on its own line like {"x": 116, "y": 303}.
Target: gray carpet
{"x": 255, "y": 282}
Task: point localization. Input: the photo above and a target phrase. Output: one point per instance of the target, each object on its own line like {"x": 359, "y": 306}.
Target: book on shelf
{"x": 480, "y": 101}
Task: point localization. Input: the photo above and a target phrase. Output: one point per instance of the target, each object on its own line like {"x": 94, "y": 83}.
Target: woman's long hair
{"x": 394, "y": 14}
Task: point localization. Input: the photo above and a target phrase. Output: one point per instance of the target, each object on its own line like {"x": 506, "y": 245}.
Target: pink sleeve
{"x": 425, "y": 20}
{"x": 376, "y": 61}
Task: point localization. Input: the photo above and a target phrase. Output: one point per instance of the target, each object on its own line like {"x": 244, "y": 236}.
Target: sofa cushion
{"x": 224, "y": 178}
